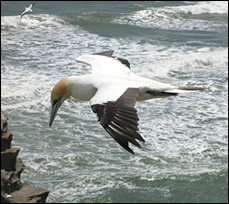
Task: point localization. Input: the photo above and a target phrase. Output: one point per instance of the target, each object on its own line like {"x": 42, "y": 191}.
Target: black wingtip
{"x": 130, "y": 150}
{"x": 110, "y": 54}
{"x": 106, "y": 53}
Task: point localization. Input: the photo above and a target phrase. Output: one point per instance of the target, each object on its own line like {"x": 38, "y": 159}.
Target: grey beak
{"x": 55, "y": 106}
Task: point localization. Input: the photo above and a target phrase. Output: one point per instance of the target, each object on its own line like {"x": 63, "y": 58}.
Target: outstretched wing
{"x": 27, "y": 9}
{"x": 110, "y": 54}
{"x": 32, "y": 4}
{"x": 23, "y": 13}
{"x": 105, "y": 63}
{"x": 119, "y": 118}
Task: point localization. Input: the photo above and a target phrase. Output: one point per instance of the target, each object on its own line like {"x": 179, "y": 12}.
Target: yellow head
{"x": 59, "y": 94}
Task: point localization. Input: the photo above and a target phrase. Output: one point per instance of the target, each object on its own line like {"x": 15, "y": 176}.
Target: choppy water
{"x": 184, "y": 158}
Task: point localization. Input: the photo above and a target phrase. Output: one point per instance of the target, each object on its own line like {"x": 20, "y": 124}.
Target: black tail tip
{"x": 192, "y": 88}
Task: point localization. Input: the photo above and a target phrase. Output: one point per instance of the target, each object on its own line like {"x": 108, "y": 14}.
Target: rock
{"x": 4, "y": 125}
{"x": 29, "y": 194}
{"x": 19, "y": 167}
{"x": 6, "y": 135}
{"x": 12, "y": 189}
{"x": 8, "y": 159}
{"x": 6, "y": 140}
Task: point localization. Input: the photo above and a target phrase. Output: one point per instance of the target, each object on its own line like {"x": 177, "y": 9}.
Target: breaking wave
{"x": 190, "y": 17}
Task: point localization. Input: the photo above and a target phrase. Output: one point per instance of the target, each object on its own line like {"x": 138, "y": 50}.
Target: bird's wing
{"x": 23, "y": 13}
{"x": 110, "y": 54}
{"x": 31, "y": 5}
{"x": 119, "y": 118}
{"x": 105, "y": 63}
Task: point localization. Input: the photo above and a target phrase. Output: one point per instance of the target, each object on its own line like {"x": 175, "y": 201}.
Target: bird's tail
{"x": 184, "y": 89}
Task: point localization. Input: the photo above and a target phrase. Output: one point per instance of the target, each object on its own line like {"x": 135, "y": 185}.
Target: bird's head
{"x": 59, "y": 94}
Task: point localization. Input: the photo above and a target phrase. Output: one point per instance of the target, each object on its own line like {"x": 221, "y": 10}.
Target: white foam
{"x": 220, "y": 7}
{"x": 37, "y": 56}
{"x": 10, "y": 21}
{"x": 174, "y": 17}
{"x": 31, "y": 21}
{"x": 159, "y": 63}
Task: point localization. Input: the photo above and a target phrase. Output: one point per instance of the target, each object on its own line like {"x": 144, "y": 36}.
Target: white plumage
{"x": 27, "y": 9}
{"x": 112, "y": 90}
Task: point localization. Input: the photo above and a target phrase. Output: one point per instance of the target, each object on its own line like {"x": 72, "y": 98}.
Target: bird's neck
{"x": 81, "y": 88}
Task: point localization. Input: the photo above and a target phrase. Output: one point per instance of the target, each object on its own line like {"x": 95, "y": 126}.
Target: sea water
{"x": 184, "y": 43}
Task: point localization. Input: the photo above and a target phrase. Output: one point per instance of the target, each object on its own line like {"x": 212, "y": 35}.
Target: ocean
{"x": 185, "y": 43}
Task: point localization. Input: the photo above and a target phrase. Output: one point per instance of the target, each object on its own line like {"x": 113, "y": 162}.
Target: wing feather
{"x": 105, "y": 63}
{"x": 120, "y": 118}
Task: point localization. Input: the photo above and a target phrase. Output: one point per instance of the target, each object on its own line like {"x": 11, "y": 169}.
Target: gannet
{"x": 112, "y": 90}
{"x": 27, "y": 9}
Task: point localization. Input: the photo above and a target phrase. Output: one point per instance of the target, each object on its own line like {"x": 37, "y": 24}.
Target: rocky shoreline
{"x": 12, "y": 189}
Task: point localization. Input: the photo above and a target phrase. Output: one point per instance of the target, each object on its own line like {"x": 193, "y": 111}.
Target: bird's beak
{"x": 55, "y": 106}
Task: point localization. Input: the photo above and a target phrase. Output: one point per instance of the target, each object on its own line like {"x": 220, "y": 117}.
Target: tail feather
{"x": 172, "y": 92}
{"x": 184, "y": 89}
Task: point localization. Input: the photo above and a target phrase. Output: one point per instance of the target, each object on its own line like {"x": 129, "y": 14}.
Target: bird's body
{"x": 85, "y": 87}
{"x": 27, "y": 9}
{"x": 112, "y": 90}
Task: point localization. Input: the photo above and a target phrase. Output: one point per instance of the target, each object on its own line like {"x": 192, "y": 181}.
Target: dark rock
{"x": 12, "y": 189}
{"x": 6, "y": 135}
{"x": 19, "y": 167}
{"x": 29, "y": 194}
{"x": 4, "y": 198}
{"x": 4, "y": 124}
{"x": 6, "y": 139}
{"x": 11, "y": 181}
{"x": 8, "y": 159}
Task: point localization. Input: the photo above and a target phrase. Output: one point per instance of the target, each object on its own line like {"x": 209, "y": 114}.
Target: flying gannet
{"x": 112, "y": 89}
{"x": 27, "y": 9}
